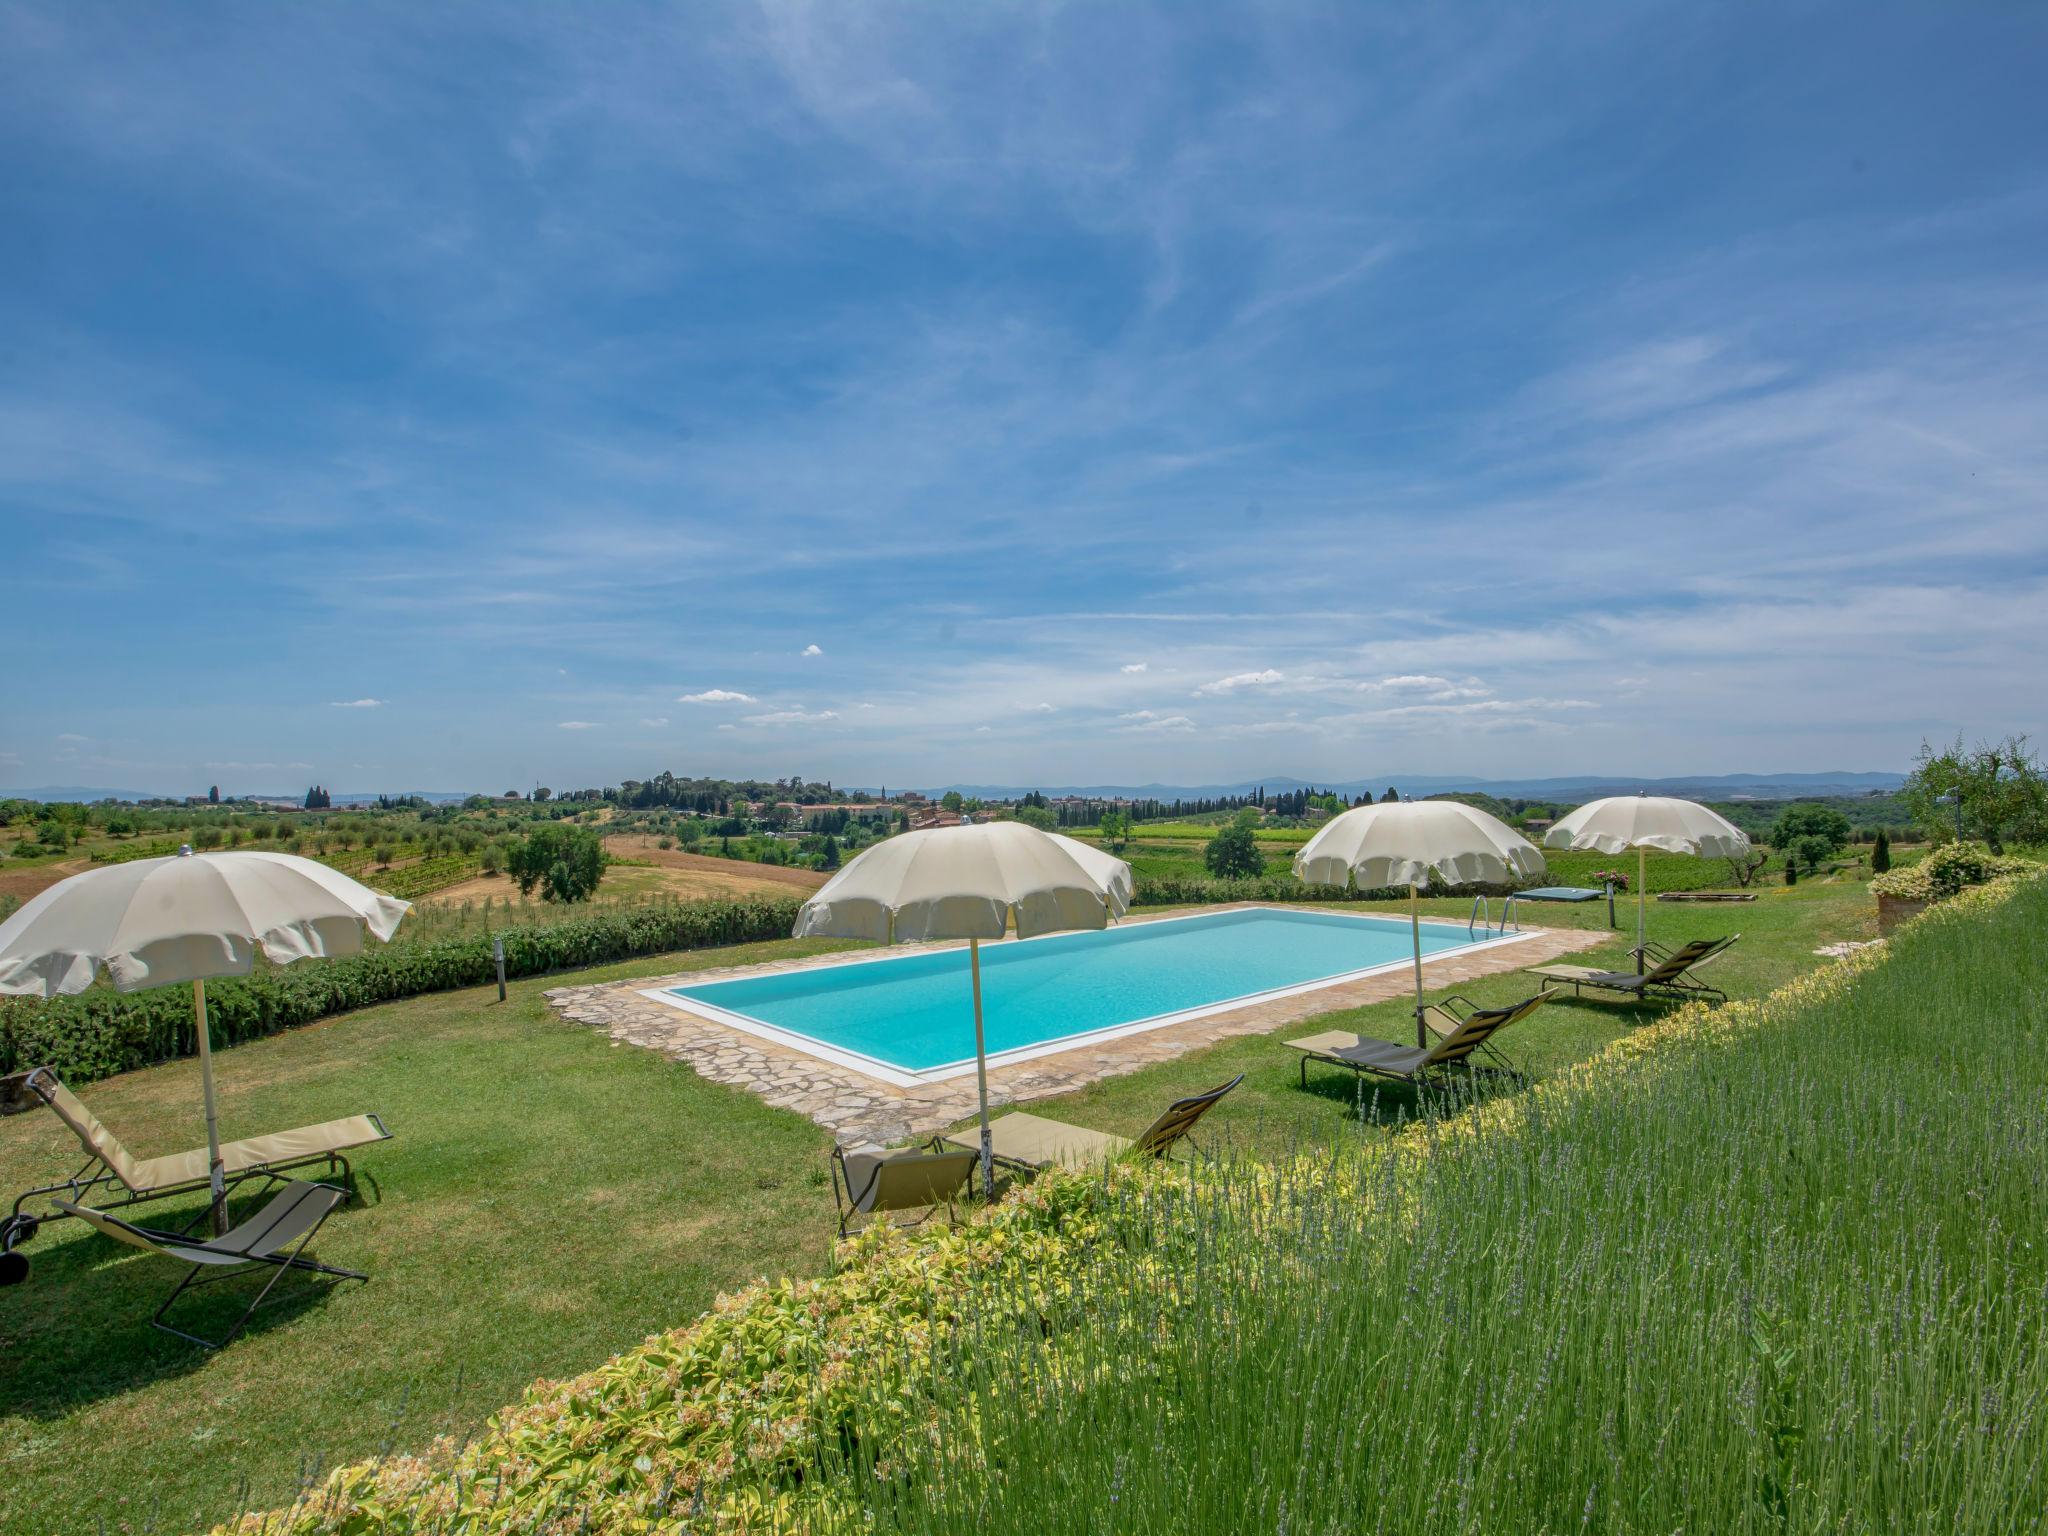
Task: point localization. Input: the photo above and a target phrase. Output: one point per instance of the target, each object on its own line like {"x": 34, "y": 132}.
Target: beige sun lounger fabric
{"x": 1036, "y": 1142}
{"x": 1383, "y": 1058}
{"x": 878, "y": 1179}
{"x": 1032, "y": 1141}
{"x": 142, "y": 1176}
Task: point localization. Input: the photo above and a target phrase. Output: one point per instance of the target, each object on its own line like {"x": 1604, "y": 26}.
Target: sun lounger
{"x": 871, "y": 1179}
{"x": 1033, "y": 1142}
{"x": 287, "y": 1221}
{"x": 111, "y": 1167}
{"x": 1444, "y": 1017}
{"x": 1668, "y": 972}
{"x": 1370, "y": 1056}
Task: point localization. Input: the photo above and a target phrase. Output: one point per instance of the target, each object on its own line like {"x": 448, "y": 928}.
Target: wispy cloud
{"x": 1241, "y": 680}
{"x": 1191, "y": 371}
{"x": 717, "y": 696}
{"x": 654, "y": 721}
{"x": 577, "y": 725}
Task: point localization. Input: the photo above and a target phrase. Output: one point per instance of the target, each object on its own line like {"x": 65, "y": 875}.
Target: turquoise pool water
{"x": 914, "y": 1012}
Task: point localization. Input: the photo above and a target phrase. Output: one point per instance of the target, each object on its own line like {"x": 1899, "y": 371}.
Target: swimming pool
{"x": 908, "y": 1018}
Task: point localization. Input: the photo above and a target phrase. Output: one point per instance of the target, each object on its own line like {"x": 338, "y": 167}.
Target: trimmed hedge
{"x": 1196, "y": 891}
{"x": 101, "y": 1032}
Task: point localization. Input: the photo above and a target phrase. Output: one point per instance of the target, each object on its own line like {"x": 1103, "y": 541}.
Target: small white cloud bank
{"x": 717, "y": 696}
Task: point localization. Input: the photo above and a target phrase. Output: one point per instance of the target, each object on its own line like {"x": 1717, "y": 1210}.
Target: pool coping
{"x": 856, "y": 1108}
{"x": 906, "y": 1077}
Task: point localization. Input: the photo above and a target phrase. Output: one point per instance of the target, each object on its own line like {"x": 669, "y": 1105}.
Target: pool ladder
{"x": 1481, "y": 920}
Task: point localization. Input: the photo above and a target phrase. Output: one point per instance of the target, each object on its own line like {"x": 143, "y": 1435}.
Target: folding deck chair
{"x": 874, "y": 1179}
{"x": 287, "y": 1222}
{"x": 1032, "y": 1142}
{"x": 1374, "y": 1057}
{"x": 1667, "y": 972}
{"x": 110, "y": 1167}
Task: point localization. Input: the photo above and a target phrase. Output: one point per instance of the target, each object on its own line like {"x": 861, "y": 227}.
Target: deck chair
{"x": 110, "y": 1167}
{"x": 1444, "y": 1016}
{"x": 871, "y": 1179}
{"x": 1666, "y": 972}
{"x": 1032, "y": 1142}
{"x": 1373, "y": 1057}
{"x": 277, "y": 1235}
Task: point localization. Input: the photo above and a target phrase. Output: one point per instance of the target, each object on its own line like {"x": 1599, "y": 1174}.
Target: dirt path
{"x": 24, "y": 883}
{"x": 664, "y": 872}
{"x": 641, "y": 846}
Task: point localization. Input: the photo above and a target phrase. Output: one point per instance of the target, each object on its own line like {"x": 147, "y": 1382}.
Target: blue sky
{"x": 454, "y": 397}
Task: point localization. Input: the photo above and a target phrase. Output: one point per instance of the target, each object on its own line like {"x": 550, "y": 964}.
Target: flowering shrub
{"x": 1948, "y": 870}
{"x": 1614, "y": 877}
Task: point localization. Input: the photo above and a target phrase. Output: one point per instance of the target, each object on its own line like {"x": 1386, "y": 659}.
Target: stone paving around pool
{"x": 857, "y": 1108}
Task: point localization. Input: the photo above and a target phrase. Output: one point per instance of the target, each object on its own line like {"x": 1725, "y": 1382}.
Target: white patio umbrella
{"x": 188, "y": 917}
{"x": 973, "y": 883}
{"x": 1411, "y": 843}
{"x": 1643, "y": 822}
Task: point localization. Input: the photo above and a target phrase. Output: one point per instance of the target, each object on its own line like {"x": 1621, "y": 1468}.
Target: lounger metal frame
{"x": 1430, "y": 1069}
{"x": 170, "y": 1242}
{"x": 20, "y": 1225}
{"x": 848, "y": 1202}
{"x": 1681, "y": 983}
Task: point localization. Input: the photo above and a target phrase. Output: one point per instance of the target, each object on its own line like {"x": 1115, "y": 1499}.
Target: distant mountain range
{"x": 86, "y": 796}
{"x": 1580, "y": 788}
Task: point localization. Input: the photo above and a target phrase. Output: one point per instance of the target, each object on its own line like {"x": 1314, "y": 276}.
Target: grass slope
{"x": 1783, "y": 1271}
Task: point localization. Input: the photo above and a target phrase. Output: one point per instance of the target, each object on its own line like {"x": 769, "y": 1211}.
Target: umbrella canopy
{"x": 1417, "y": 842}
{"x": 1414, "y": 843}
{"x": 1111, "y": 872}
{"x": 189, "y": 917}
{"x": 973, "y": 883}
{"x": 1642, "y": 822}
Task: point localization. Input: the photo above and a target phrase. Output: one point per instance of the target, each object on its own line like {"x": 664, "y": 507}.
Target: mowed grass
{"x": 1270, "y": 1113}
{"x": 548, "y": 1199}
{"x": 1789, "y": 1277}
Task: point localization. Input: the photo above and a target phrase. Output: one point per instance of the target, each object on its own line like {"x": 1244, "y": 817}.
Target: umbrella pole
{"x": 988, "y": 1155}
{"x": 214, "y": 1173}
{"x": 1415, "y": 931}
{"x": 1642, "y": 896}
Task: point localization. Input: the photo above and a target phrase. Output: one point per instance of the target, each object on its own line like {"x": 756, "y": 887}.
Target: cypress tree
{"x": 1881, "y": 852}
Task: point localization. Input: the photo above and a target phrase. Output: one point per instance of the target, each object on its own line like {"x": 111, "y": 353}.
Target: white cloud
{"x": 654, "y": 721}
{"x": 717, "y": 696}
{"x": 1040, "y": 708}
{"x": 793, "y": 717}
{"x": 73, "y": 738}
{"x": 1132, "y": 668}
{"x": 811, "y": 650}
{"x": 357, "y": 704}
{"x": 577, "y": 725}
{"x": 1146, "y": 720}
{"x": 1238, "y": 680}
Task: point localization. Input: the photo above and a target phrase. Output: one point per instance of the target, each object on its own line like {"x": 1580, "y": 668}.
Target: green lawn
{"x": 549, "y": 1199}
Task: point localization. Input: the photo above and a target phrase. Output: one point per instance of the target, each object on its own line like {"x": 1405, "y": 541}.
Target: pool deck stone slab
{"x": 857, "y": 1108}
